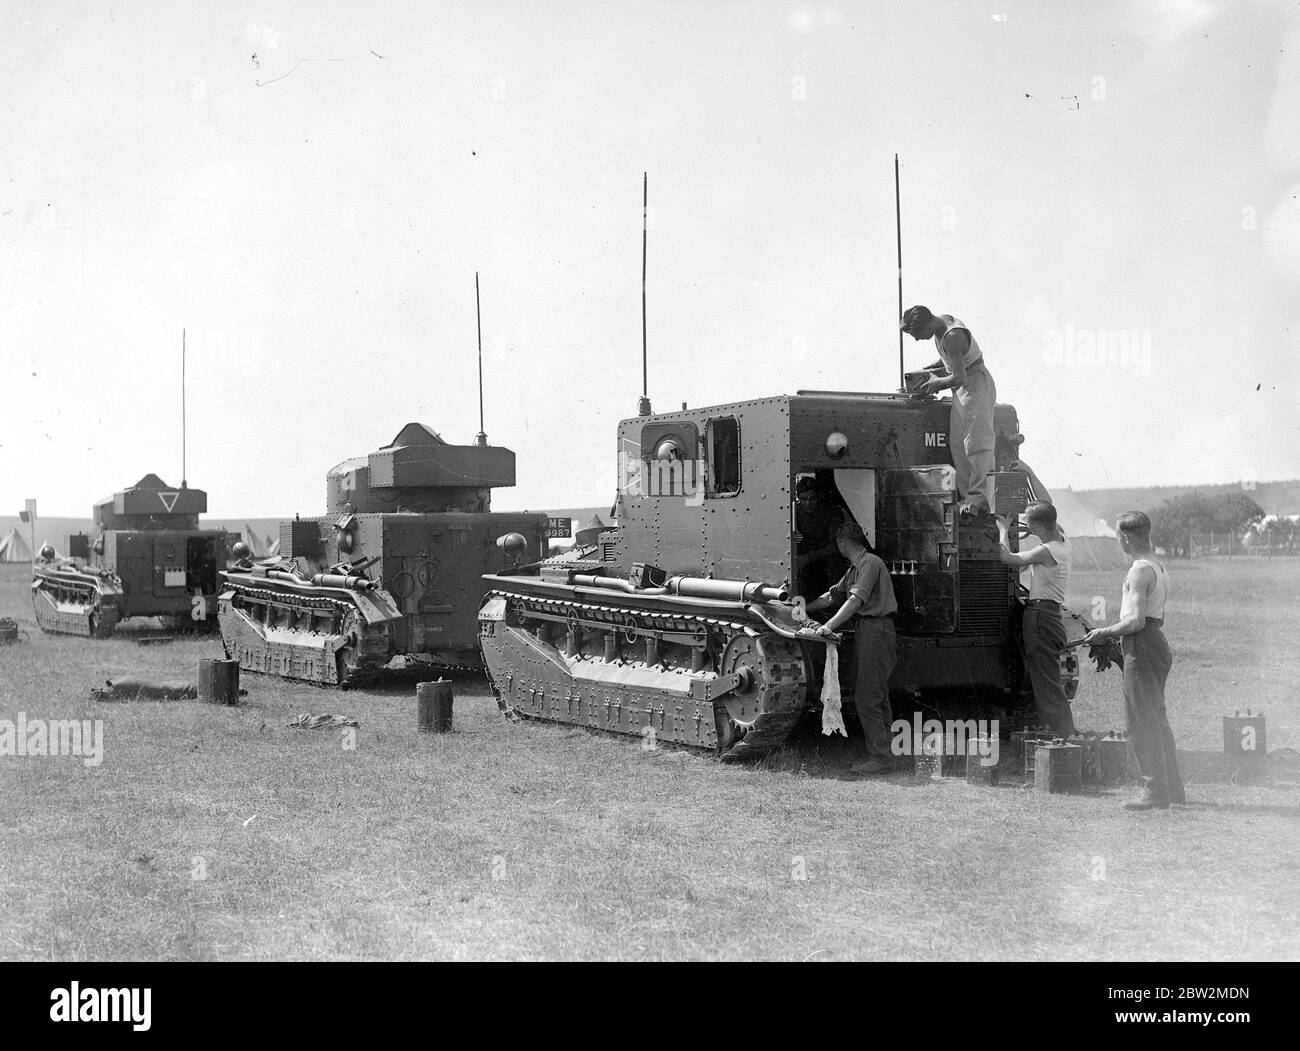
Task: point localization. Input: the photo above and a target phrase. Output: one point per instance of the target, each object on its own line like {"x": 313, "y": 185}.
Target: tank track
{"x": 282, "y": 635}
{"x": 728, "y": 685}
{"x": 73, "y": 602}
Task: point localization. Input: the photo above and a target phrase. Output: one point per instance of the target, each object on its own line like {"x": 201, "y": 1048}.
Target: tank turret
{"x": 419, "y": 471}
{"x": 151, "y": 504}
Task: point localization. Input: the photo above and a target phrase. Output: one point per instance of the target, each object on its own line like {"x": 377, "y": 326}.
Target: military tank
{"x": 393, "y": 568}
{"x": 148, "y": 559}
{"x": 681, "y": 621}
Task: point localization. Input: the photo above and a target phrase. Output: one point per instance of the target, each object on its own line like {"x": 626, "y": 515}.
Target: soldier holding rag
{"x": 865, "y": 596}
{"x": 1146, "y": 666}
{"x": 970, "y": 427}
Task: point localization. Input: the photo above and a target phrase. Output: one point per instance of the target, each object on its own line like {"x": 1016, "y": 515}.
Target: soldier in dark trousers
{"x": 865, "y": 597}
{"x": 1146, "y": 666}
{"x": 1042, "y": 628}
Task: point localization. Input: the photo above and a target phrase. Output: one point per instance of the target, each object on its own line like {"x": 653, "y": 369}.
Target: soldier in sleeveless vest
{"x": 1042, "y": 629}
{"x": 1147, "y": 661}
{"x": 970, "y": 426}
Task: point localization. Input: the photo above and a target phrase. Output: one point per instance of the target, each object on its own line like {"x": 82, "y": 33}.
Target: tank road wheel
{"x": 357, "y": 662}
{"x": 348, "y": 662}
{"x": 743, "y": 656}
{"x": 348, "y": 657}
{"x": 757, "y": 716}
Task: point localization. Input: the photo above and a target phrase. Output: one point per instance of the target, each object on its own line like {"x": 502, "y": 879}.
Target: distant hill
{"x": 1276, "y": 498}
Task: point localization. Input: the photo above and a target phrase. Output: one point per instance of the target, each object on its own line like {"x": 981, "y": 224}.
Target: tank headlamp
{"x": 837, "y": 445}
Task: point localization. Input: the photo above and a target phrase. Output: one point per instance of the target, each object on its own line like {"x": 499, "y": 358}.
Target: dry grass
{"x": 542, "y": 842}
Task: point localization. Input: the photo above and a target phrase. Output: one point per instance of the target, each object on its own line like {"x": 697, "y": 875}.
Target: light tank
{"x": 149, "y": 558}
{"x": 681, "y": 621}
{"x": 393, "y": 568}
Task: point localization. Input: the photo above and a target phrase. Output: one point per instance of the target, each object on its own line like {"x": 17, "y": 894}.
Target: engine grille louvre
{"x": 983, "y": 598}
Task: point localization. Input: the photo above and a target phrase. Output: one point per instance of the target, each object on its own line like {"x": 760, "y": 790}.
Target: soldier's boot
{"x": 1149, "y": 799}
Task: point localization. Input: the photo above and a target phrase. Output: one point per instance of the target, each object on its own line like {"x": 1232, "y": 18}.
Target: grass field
{"x": 218, "y": 833}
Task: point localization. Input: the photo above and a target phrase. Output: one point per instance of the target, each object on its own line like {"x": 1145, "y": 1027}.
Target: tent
{"x": 1092, "y": 539}
{"x": 13, "y": 548}
{"x": 260, "y": 548}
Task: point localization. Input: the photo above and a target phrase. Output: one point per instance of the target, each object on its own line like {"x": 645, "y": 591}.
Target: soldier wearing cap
{"x": 970, "y": 428}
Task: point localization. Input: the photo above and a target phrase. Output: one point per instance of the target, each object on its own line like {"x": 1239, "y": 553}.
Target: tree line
{"x": 1230, "y": 515}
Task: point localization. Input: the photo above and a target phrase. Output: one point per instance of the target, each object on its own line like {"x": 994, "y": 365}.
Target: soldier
{"x": 1042, "y": 627}
{"x": 865, "y": 596}
{"x": 817, "y": 558}
{"x": 970, "y": 428}
{"x": 1146, "y": 666}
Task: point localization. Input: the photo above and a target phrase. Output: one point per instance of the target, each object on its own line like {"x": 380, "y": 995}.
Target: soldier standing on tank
{"x": 865, "y": 597}
{"x": 1147, "y": 661}
{"x": 970, "y": 428}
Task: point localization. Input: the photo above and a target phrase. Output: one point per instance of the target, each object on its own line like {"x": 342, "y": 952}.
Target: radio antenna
{"x": 478, "y": 320}
{"x": 643, "y": 406}
{"x": 898, "y": 230}
{"x": 184, "y": 471}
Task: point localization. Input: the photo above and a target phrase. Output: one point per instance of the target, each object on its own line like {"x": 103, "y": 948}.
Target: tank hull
{"x": 423, "y": 584}
{"x": 133, "y": 573}
{"x": 710, "y": 494}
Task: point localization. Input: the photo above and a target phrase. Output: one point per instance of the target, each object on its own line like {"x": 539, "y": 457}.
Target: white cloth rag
{"x": 832, "y": 719}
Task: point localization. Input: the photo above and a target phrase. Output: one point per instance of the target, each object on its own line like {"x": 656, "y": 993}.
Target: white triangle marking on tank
{"x": 169, "y": 500}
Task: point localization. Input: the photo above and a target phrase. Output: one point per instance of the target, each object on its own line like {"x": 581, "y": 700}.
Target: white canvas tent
{"x": 260, "y": 548}
{"x": 14, "y": 548}
{"x": 1092, "y": 539}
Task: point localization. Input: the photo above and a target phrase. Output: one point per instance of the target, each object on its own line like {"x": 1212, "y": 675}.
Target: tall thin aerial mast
{"x": 898, "y": 229}
{"x": 184, "y": 471}
{"x": 643, "y": 406}
{"x": 478, "y": 320}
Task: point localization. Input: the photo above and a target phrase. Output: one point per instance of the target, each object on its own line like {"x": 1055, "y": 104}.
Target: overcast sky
{"x": 308, "y": 189}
